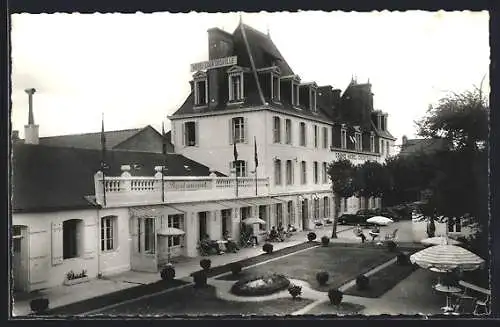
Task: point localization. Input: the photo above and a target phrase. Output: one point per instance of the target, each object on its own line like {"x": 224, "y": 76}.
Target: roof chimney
{"x": 30, "y": 130}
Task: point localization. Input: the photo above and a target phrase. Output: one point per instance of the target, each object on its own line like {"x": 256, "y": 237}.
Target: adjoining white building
{"x": 67, "y": 216}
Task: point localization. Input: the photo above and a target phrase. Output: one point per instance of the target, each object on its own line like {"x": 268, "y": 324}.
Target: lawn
{"x": 193, "y": 301}
{"x": 382, "y": 281}
{"x": 345, "y": 308}
{"x": 342, "y": 263}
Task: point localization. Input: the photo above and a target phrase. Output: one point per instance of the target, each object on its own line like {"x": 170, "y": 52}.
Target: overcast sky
{"x": 134, "y": 68}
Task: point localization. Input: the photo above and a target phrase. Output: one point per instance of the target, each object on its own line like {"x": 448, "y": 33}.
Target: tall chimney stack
{"x": 30, "y": 130}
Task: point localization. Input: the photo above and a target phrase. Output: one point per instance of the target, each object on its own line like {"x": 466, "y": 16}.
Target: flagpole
{"x": 103, "y": 164}
{"x": 256, "y": 163}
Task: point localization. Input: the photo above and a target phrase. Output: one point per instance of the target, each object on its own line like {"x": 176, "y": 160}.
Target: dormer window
{"x": 372, "y": 142}
{"x": 235, "y": 82}
{"x": 200, "y": 89}
{"x": 343, "y": 136}
{"x": 312, "y": 96}
{"x": 295, "y": 91}
{"x": 275, "y": 89}
{"x": 358, "y": 141}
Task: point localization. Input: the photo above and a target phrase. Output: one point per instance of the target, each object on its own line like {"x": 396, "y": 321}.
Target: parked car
{"x": 353, "y": 219}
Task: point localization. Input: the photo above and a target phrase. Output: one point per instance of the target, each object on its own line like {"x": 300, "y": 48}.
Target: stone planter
{"x": 69, "y": 282}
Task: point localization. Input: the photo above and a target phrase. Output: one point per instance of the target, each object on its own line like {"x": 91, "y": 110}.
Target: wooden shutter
{"x": 245, "y": 129}
{"x": 197, "y": 133}
{"x": 57, "y": 243}
{"x": 39, "y": 265}
{"x": 230, "y": 130}
{"x": 88, "y": 239}
{"x": 183, "y": 134}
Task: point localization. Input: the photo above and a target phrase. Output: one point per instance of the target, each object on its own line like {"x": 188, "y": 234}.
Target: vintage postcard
{"x": 250, "y": 164}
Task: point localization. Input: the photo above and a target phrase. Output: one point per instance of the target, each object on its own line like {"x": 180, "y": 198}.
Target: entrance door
{"x": 20, "y": 258}
{"x": 305, "y": 214}
{"x": 202, "y": 218}
{"x": 145, "y": 244}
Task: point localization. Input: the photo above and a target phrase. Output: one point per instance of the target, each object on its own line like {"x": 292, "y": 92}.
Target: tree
{"x": 342, "y": 174}
{"x": 372, "y": 179}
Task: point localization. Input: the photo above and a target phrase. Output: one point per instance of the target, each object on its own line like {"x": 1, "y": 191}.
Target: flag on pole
{"x": 103, "y": 143}
{"x": 235, "y": 152}
{"x": 164, "y": 141}
{"x": 255, "y": 152}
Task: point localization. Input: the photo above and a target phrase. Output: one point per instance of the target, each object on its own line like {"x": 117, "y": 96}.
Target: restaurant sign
{"x": 215, "y": 63}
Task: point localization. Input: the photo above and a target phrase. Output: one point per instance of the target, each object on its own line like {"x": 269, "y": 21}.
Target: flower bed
{"x": 261, "y": 285}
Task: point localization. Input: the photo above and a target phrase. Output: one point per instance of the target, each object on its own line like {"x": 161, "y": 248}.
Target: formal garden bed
{"x": 382, "y": 281}
{"x": 204, "y": 301}
{"x": 342, "y": 264}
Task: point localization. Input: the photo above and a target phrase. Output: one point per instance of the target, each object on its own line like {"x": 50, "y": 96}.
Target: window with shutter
{"x": 87, "y": 239}
{"x": 57, "y": 244}
{"x": 39, "y": 254}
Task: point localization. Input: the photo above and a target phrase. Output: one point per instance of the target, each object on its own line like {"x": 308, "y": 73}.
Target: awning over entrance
{"x": 262, "y": 201}
{"x": 154, "y": 211}
{"x": 235, "y": 203}
{"x": 282, "y": 199}
{"x": 200, "y": 207}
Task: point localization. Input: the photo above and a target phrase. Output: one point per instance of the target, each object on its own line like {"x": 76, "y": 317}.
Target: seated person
{"x": 210, "y": 244}
{"x": 230, "y": 245}
{"x": 291, "y": 228}
{"x": 273, "y": 234}
{"x": 358, "y": 231}
{"x": 375, "y": 232}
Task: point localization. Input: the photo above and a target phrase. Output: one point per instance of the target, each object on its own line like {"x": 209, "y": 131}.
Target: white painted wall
{"x": 46, "y": 271}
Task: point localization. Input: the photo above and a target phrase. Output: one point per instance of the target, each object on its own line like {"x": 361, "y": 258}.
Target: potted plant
{"x": 325, "y": 240}
{"x": 268, "y": 248}
{"x": 311, "y": 236}
{"x": 39, "y": 305}
{"x": 73, "y": 278}
{"x": 402, "y": 259}
{"x": 295, "y": 291}
{"x": 200, "y": 279}
{"x": 335, "y": 296}
{"x": 168, "y": 273}
{"x": 322, "y": 277}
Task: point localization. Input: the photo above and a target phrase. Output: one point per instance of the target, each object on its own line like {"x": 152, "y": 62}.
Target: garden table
{"x": 447, "y": 290}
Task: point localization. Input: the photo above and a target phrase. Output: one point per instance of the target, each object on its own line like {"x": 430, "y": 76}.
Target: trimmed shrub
{"x": 236, "y": 268}
{"x": 322, "y": 277}
{"x": 295, "y": 291}
{"x": 391, "y": 246}
{"x": 403, "y": 259}
{"x": 335, "y": 296}
{"x": 325, "y": 240}
{"x": 205, "y": 264}
{"x": 311, "y": 236}
{"x": 362, "y": 282}
{"x": 167, "y": 273}
{"x": 39, "y": 305}
{"x": 200, "y": 279}
{"x": 268, "y": 248}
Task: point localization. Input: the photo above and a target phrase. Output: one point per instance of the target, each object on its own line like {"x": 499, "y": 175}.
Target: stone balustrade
{"x": 129, "y": 190}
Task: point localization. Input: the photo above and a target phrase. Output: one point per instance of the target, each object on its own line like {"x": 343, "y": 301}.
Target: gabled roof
{"x": 48, "y": 178}
{"x": 93, "y": 140}
{"x": 415, "y": 146}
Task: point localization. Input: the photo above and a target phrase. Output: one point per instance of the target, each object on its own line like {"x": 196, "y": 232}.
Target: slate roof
{"x": 48, "y": 178}
{"x": 414, "y": 146}
{"x": 93, "y": 140}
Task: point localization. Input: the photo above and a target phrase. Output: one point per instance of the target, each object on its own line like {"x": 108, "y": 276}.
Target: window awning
{"x": 236, "y": 203}
{"x": 154, "y": 211}
{"x": 282, "y": 199}
{"x": 199, "y": 207}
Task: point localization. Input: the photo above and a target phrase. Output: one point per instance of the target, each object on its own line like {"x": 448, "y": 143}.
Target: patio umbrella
{"x": 447, "y": 257}
{"x": 254, "y": 220}
{"x": 169, "y": 232}
{"x": 438, "y": 240}
{"x": 380, "y": 220}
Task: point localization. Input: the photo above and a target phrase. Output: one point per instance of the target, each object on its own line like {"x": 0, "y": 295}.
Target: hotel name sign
{"x": 354, "y": 156}
{"x": 215, "y": 63}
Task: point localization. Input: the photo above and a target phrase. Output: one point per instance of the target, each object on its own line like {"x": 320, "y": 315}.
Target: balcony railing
{"x": 131, "y": 190}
